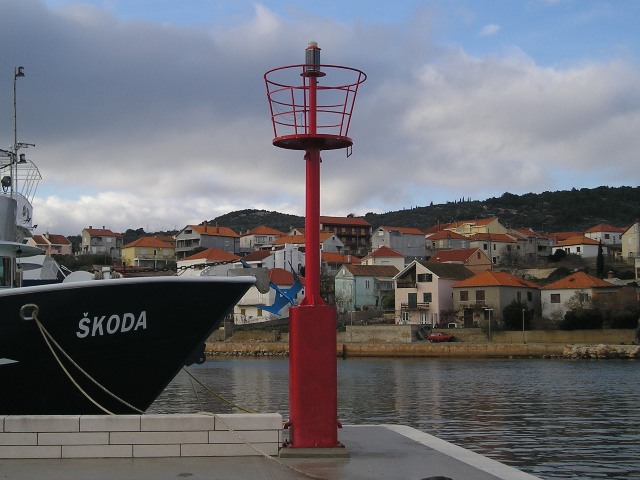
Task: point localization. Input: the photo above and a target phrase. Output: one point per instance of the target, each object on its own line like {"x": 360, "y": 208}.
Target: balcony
{"x": 414, "y": 306}
{"x": 407, "y": 284}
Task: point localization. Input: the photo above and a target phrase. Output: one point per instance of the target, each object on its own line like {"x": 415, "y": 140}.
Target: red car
{"x": 440, "y": 337}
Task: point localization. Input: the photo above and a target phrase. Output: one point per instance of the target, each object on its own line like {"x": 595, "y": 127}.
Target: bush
{"x": 584, "y": 319}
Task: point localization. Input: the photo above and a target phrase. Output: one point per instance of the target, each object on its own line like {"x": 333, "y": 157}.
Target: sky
{"x": 153, "y": 114}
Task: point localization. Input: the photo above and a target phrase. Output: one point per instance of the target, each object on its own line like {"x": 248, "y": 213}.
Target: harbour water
{"x": 556, "y": 419}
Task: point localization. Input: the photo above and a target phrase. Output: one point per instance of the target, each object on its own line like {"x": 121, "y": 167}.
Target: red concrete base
{"x": 313, "y": 382}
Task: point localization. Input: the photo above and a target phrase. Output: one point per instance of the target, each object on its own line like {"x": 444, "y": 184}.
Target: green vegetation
{"x": 569, "y": 210}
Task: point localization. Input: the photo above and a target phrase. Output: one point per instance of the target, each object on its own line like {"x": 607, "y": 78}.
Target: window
{"x": 578, "y": 249}
{"x": 484, "y": 246}
{"x": 555, "y": 298}
{"x": 425, "y": 277}
{"x": 606, "y": 236}
{"x": 426, "y": 297}
{"x": 519, "y": 296}
{"x": 404, "y": 317}
{"x": 424, "y": 319}
{"x": 583, "y": 297}
{"x": 530, "y": 296}
{"x": 479, "y": 295}
{"x": 367, "y": 284}
{"x": 478, "y": 254}
{"x": 464, "y": 295}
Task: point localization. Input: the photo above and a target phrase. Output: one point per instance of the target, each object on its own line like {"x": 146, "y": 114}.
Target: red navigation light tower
{"x": 312, "y": 117}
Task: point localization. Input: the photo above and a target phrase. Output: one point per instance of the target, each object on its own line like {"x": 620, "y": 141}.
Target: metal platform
{"x": 375, "y": 452}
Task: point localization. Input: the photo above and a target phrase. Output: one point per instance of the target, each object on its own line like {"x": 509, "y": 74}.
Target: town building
{"x": 577, "y": 289}
{"x": 499, "y": 247}
{"x": 488, "y": 293}
{"x": 410, "y": 242}
{"x": 385, "y": 256}
{"x": 605, "y": 233}
{"x": 258, "y": 238}
{"x": 148, "y": 252}
{"x": 445, "y": 240}
{"x": 354, "y": 232}
{"x": 216, "y": 261}
{"x": 580, "y": 245}
{"x": 194, "y": 237}
{"x": 423, "y": 292}
{"x": 51, "y": 244}
{"x": 472, "y": 258}
{"x": 631, "y": 242}
{"x": 101, "y": 241}
{"x": 359, "y": 287}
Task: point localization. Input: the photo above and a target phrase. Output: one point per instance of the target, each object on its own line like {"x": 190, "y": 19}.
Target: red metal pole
{"x": 313, "y": 385}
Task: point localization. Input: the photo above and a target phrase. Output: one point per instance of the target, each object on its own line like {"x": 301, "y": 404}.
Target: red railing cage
{"x": 290, "y": 111}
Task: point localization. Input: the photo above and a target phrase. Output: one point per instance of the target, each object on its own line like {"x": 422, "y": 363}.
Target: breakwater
{"x": 440, "y": 350}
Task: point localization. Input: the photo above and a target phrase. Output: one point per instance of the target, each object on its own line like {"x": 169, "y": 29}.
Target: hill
{"x": 568, "y": 210}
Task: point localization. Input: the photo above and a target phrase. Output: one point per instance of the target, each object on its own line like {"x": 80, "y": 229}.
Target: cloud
{"x": 489, "y": 30}
{"x": 139, "y": 124}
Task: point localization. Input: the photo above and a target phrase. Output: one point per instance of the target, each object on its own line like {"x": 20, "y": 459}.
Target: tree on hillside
{"x": 600, "y": 262}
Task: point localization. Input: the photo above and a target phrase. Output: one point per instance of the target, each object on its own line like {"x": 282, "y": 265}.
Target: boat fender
{"x": 29, "y": 311}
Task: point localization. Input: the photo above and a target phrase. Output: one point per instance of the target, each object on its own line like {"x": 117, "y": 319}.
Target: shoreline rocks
{"x": 601, "y": 351}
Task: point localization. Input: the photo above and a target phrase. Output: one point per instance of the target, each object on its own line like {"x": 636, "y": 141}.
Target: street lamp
{"x": 489, "y": 310}
{"x": 524, "y": 340}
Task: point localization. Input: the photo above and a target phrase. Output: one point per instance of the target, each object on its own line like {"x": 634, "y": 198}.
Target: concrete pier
{"x": 384, "y": 452}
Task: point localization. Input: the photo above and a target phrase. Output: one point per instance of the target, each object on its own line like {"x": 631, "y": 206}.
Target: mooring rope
{"x": 262, "y": 452}
{"x": 217, "y": 395}
{"x": 50, "y": 340}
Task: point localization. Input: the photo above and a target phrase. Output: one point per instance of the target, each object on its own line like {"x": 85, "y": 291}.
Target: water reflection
{"x": 556, "y": 419}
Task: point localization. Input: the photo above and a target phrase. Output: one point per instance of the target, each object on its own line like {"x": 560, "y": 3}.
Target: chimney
{"x": 610, "y": 274}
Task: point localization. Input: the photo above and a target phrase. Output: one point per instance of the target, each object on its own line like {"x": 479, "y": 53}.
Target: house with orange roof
{"x": 469, "y": 228}
{"x": 148, "y": 252}
{"x": 385, "y": 256}
{"x": 423, "y": 292}
{"x": 496, "y": 246}
{"x": 605, "y": 233}
{"x": 258, "y": 237}
{"x": 558, "y": 237}
{"x": 534, "y": 247}
{"x": 579, "y": 288}
{"x": 333, "y": 261}
{"x": 205, "y": 236}
{"x": 360, "y": 287}
{"x": 488, "y": 293}
{"x": 101, "y": 241}
{"x": 445, "y": 240}
{"x": 408, "y": 241}
{"x": 580, "y": 245}
{"x": 354, "y": 232}
{"x": 51, "y": 244}
{"x": 329, "y": 242}
{"x": 248, "y": 309}
{"x": 472, "y": 258}
{"x": 217, "y": 261}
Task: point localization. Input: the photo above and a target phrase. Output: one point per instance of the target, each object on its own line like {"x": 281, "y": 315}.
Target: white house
{"x": 580, "y": 287}
{"x": 424, "y": 291}
{"x": 384, "y": 256}
{"x": 581, "y": 246}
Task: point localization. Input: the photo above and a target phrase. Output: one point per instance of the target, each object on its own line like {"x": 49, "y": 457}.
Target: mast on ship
{"x": 19, "y": 179}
